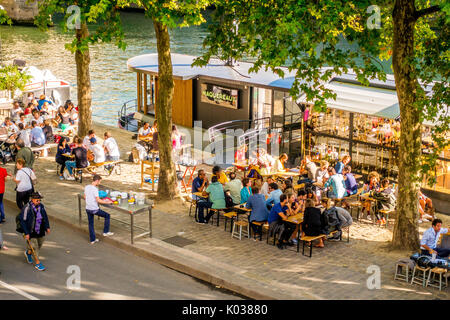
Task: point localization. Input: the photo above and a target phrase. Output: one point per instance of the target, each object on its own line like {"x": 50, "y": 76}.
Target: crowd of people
{"x": 272, "y": 198}
{"x": 83, "y": 152}
{"x": 270, "y": 202}
{"x": 35, "y": 122}
{"x": 33, "y": 126}
{"x": 148, "y": 140}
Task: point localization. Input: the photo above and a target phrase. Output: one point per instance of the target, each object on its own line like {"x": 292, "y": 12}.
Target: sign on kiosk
{"x": 222, "y": 96}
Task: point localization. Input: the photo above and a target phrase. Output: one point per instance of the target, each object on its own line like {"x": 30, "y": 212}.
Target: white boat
{"x": 44, "y": 82}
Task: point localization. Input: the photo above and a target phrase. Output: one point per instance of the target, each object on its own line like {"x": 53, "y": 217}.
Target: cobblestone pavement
{"x": 339, "y": 271}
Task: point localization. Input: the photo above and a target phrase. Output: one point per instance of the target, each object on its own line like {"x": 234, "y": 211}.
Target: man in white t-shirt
{"x": 111, "y": 148}
{"x": 92, "y": 200}
{"x": 97, "y": 150}
{"x": 145, "y": 131}
{"x": 10, "y": 126}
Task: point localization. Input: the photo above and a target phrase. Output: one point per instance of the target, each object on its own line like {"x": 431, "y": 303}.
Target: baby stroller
{"x": 6, "y": 150}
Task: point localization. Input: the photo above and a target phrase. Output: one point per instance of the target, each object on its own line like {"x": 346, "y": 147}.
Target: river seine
{"x": 112, "y": 83}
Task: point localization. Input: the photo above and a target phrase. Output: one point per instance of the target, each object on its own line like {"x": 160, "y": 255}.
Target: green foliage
{"x": 4, "y": 18}
{"x": 308, "y": 36}
{"x": 103, "y": 14}
{"x": 12, "y": 79}
{"x": 173, "y": 13}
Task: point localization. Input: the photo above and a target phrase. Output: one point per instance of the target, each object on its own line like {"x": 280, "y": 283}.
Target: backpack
{"x": 18, "y": 224}
{"x": 330, "y": 220}
{"x": 228, "y": 200}
{"x": 19, "y": 228}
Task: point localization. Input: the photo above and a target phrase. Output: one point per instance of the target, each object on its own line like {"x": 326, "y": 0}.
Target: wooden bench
{"x": 261, "y": 225}
{"x": 310, "y": 239}
{"x": 91, "y": 169}
{"x": 45, "y": 148}
{"x": 229, "y": 215}
{"x": 299, "y": 186}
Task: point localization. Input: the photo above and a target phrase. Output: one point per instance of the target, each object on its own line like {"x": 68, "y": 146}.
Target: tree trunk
{"x": 406, "y": 235}
{"x": 82, "y": 60}
{"x": 167, "y": 185}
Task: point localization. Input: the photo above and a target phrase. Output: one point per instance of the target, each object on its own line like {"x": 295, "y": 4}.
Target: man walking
{"x": 24, "y": 153}
{"x": 34, "y": 221}
{"x": 92, "y": 200}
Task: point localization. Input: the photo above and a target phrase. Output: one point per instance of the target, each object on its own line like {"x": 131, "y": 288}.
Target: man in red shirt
{"x": 3, "y": 175}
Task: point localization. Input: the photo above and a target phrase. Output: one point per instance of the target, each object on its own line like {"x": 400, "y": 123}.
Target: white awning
{"x": 361, "y": 99}
{"x": 216, "y": 68}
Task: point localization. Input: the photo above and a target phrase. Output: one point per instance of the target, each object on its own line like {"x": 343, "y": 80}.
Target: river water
{"x": 112, "y": 83}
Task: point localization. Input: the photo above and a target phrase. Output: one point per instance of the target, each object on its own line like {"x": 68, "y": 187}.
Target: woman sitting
{"x": 386, "y": 200}
{"x": 287, "y": 186}
{"x": 72, "y": 111}
{"x": 246, "y": 191}
{"x": 322, "y": 173}
{"x": 63, "y": 148}
{"x": 312, "y": 222}
{"x": 280, "y": 164}
{"x": 63, "y": 118}
{"x": 372, "y": 185}
{"x": 294, "y": 208}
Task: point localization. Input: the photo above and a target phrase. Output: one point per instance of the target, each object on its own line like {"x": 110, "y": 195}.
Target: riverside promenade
{"x": 251, "y": 268}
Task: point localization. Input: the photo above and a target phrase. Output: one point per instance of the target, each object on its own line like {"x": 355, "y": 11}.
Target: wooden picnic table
{"x": 200, "y": 195}
{"x": 146, "y": 138}
{"x": 296, "y": 219}
{"x": 68, "y": 155}
{"x": 284, "y": 174}
{"x": 243, "y": 208}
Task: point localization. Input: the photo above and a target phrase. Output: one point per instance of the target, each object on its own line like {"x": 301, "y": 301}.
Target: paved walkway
{"x": 252, "y": 268}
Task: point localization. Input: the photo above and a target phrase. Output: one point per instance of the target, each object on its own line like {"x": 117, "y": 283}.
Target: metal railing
{"x": 124, "y": 112}
{"x": 221, "y": 128}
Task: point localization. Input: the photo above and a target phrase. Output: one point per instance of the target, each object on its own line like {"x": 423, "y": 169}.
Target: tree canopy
{"x": 307, "y": 36}
{"x": 103, "y": 14}
{"x": 4, "y": 18}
